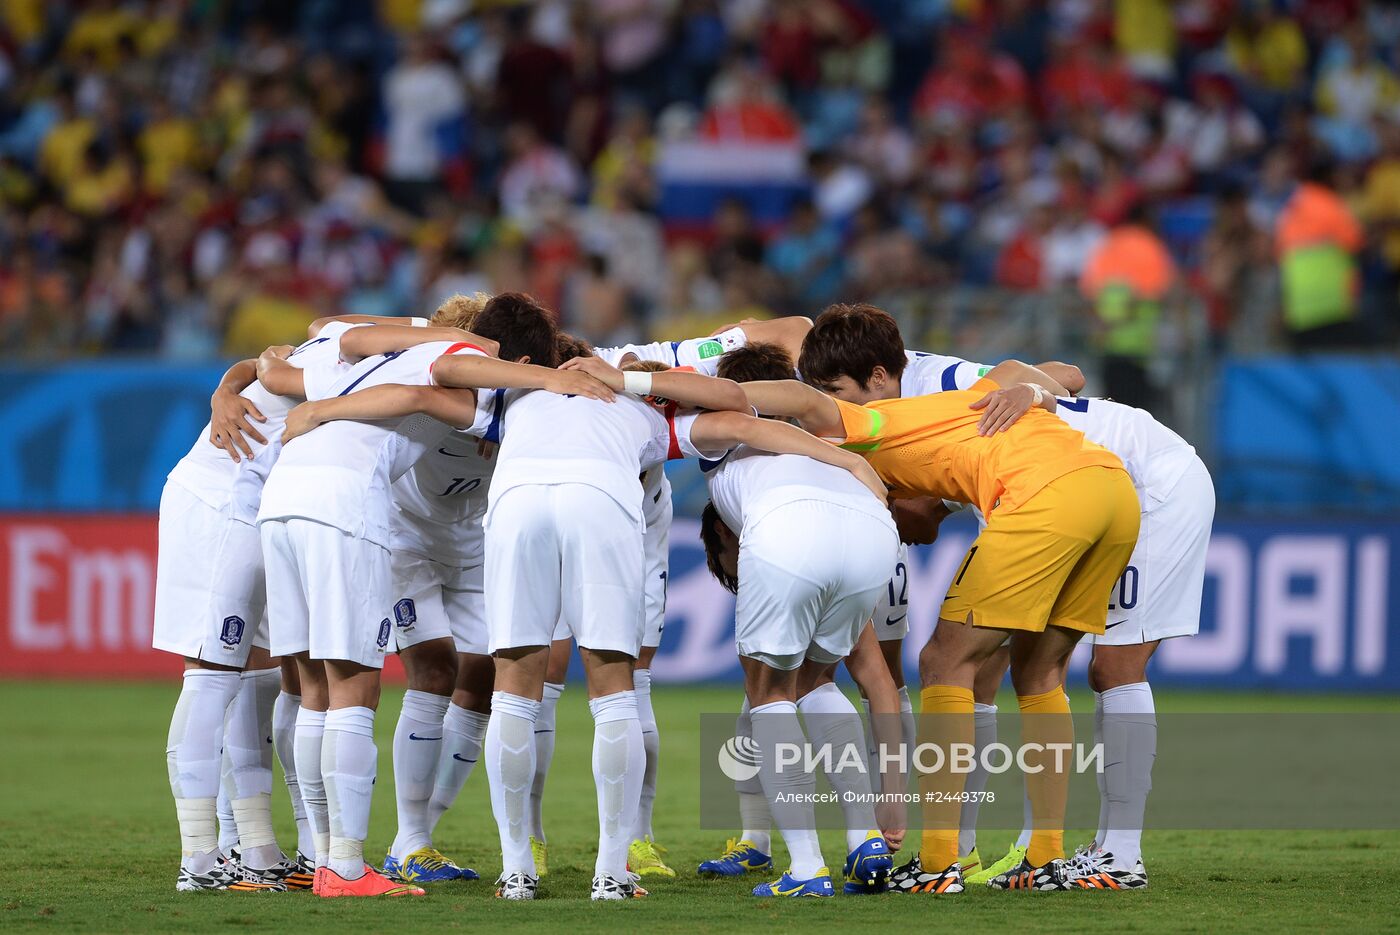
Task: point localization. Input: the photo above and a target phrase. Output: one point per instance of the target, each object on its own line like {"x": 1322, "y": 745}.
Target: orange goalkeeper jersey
{"x": 929, "y": 446}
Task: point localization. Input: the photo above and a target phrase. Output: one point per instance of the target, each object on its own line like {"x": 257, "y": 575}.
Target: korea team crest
{"x": 405, "y": 613}
{"x": 382, "y": 641}
{"x": 231, "y": 633}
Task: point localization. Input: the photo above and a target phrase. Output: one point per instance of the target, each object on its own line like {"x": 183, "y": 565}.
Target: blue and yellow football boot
{"x": 739, "y": 858}
{"x": 425, "y": 865}
{"x": 868, "y": 866}
{"x": 819, "y": 885}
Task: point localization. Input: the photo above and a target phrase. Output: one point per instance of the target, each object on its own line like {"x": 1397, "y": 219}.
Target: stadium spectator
{"x": 1126, "y": 276}
{"x": 1317, "y": 238}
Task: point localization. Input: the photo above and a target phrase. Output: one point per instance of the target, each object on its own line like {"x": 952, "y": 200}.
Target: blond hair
{"x": 645, "y": 366}
{"x": 459, "y": 311}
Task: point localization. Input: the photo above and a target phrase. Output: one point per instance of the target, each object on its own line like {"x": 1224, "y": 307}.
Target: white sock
{"x": 831, "y": 721}
{"x": 618, "y": 765}
{"x": 223, "y": 805}
{"x": 909, "y": 726}
{"x": 310, "y": 738}
{"x": 348, "y": 761}
{"x": 462, "y": 734}
{"x": 651, "y": 748}
{"x": 284, "y": 732}
{"x": 510, "y": 768}
{"x": 984, "y": 718}
{"x": 1130, "y": 748}
{"x": 1027, "y": 819}
{"x": 417, "y": 753}
{"x": 248, "y": 753}
{"x": 544, "y": 753}
{"x": 789, "y": 792}
{"x": 1101, "y": 778}
{"x": 872, "y": 752}
{"x": 192, "y": 760}
{"x": 753, "y": 804}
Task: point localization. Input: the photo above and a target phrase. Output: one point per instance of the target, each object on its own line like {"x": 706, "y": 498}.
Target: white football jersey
{"x": 926, "y": 374}
{"x": 746, "y": 484}
{"x": 547, "y": 438}
{"x": 341, "y": 473}
{"x": 211, "y": 475}
{"x": 1153, "y": 454}
{"x": 440, "y": 501}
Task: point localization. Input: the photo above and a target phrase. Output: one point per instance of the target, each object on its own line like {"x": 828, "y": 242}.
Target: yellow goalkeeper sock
{"x": 938, "y": 849}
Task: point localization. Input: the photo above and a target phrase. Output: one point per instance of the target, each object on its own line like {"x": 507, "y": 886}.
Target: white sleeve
{"x": 938, "y": 373}
{"x": 319, "y": 380}
{"x": 460, "y": 349}
{"x": 489, "y": 421}
{"x": 418, "y": 322}
{"x": 681, "y": 445}
{"x": 700, "y": 354}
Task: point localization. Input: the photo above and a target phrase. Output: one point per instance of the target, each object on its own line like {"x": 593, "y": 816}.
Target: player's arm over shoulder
{"x": 359, "y": 343}
{"x": 1010, "y": 372}
{"x": 815, "y": 411}
{"x": 452, "y": 406}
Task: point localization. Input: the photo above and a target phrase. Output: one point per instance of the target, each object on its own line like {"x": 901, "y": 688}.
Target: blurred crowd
{"x": 201, "y": 178}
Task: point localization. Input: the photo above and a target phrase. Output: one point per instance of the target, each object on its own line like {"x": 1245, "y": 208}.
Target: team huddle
{"x": 479, "y": 493}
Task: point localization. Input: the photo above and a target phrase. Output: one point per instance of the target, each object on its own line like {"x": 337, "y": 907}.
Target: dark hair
{"x": 567, "y": 347}
{"x": 521, "y": 326}
{"x": 851, "y": 341}
{"x": 758, "y": 361}
{"x": 710, "y": 524}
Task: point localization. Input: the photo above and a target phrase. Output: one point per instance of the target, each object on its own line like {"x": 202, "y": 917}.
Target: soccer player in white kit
{"x": 325, "y": 522}
{"x": 702, "y": 355}
{"x": 1158, "y": 596}
{"x": 811, "y": 555}
{"x": 210, "y": 558}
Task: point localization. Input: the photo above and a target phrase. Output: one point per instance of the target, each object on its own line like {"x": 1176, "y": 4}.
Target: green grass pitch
{"x": 88, "y": 843}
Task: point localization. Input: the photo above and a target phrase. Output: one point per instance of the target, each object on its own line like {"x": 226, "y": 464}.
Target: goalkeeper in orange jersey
{"x": 1062, "y": 520}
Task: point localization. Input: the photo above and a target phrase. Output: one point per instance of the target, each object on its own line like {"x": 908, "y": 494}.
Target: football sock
{"x": 948, "y": 719}
{"x": 909, "y": 725}
{"x": 462, "y": 733}
{"x": 348, "y": 760}
{"x": 753, "y": 804}
{"x": 310, "y": 738}
{"x": 1046, "y": 720}
{"x": 984, "y": 720}
{"x": 832, "y": 722}
{"x": 284, "y": 733}
{"x": 248, "y": 759}
{"x": 872, "y": 752}
{"x": 223, "y": 805}
{"x": 618, "y": 765}
{"x": 418, "y": 741}
{"x": 1027, "y": 817}
{"x": 1130, "y": 748}
{"x": 1102, "y": 776}
{"x": 544, "y": 753}
{"x": 651, "y": 748}
{"x": 193, "y": 760}
{"x": 510, "y": 768}
{"x": 788, "y": 792}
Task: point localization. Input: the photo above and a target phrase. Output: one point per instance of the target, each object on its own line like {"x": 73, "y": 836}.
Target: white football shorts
{"x": 328, "y": 592}
{"x": 656, "y": 543}
{"x": 810, "y": 573}
{"x": 564, "y": 556}
{"x": 891, "y": 617}
{"x": 1159, "y": 595}
{"x": 209, "y": 582}
{"x": 433, "y": 601}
